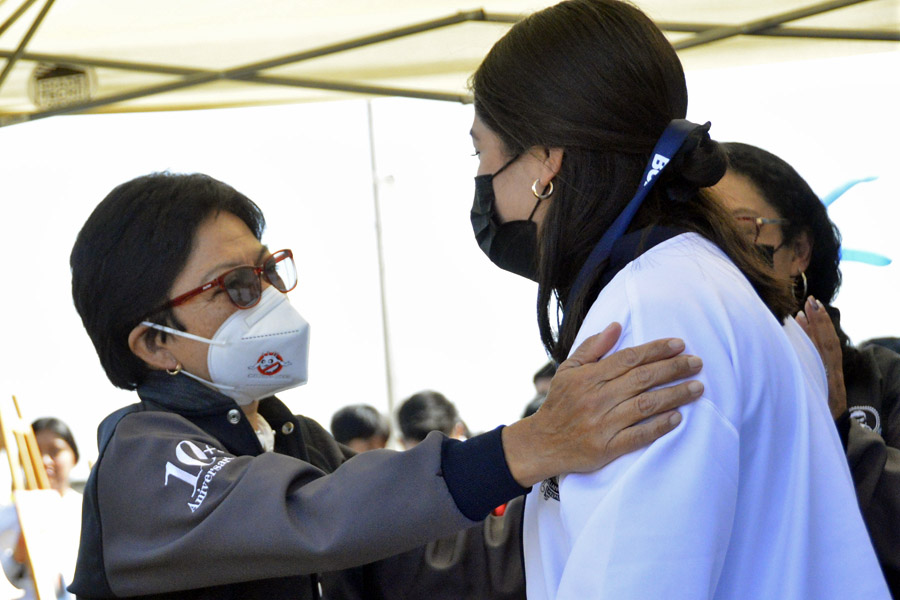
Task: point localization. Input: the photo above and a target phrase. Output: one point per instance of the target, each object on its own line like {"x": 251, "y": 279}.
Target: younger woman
{"x": 590, "y": 182}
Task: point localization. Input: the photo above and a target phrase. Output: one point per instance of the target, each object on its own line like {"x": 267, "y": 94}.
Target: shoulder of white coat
{"x": 684, "y": 265}
{"x": 663, "y": 282}
{"x": 686, "y": 279}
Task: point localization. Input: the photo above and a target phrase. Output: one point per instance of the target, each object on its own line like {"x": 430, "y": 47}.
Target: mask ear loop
{"x": 183, "y": 334}
{"x": 539, "y": 196}
{"x": 503, "y": 168}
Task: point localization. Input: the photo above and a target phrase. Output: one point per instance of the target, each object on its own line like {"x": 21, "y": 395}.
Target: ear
{"x": 802, "y": 249}
{"x": 157, "y": 356}
{"x": 552, "y": 163}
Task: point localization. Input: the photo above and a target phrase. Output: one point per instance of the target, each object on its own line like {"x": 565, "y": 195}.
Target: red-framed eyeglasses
{"x": 244, "y": 284}
{"x": 750, "y": 227}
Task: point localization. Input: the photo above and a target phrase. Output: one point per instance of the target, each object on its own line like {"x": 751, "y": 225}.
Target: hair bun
{"x": 701, "y": 162}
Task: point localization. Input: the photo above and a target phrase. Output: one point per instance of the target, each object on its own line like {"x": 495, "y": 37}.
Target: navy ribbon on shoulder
{"x": 671, "y": 140}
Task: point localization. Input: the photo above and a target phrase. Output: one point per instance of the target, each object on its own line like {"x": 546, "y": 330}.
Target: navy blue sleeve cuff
{"x": 843, "y": 427}
{"x": 477, "y": 474}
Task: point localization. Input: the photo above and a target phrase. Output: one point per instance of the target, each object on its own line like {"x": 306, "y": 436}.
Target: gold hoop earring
{"x": 546, "y": 194}
{"x": 176, "y": 370}
{"x": 802, "y": 278}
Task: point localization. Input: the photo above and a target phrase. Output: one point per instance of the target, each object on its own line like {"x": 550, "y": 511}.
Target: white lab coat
{"x": 749, "y": 498}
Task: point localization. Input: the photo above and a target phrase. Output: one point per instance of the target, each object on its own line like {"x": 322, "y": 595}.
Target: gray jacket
{"x": 184, "y": 503}
{"x": 870, "y": 430}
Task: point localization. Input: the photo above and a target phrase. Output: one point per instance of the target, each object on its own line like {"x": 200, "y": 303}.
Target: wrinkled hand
{"x": 599, "y": 409}
{"x": 818, "y": 326}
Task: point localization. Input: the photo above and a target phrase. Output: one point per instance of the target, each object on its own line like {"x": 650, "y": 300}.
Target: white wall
{"x": 457, "y": 324}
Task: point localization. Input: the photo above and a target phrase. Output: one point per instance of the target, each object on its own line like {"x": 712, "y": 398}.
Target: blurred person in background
{"x": 428, "y": 411}
{"x": 361, "y": 427}
{"x": 891, "y": 343}
{"x": 543, "y": 377}
{"x": 778, "y": 211}
{"x": 60, "y": 454}
{"x": 541, "y": 380}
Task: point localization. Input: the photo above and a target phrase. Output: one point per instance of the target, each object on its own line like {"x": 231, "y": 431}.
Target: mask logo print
{"x": 270, "y": 363}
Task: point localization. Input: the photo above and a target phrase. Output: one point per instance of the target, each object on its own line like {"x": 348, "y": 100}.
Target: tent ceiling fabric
{"x": 206, "y": 53}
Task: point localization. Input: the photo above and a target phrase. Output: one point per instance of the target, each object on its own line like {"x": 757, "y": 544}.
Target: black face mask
{"x": 512, "y": 246}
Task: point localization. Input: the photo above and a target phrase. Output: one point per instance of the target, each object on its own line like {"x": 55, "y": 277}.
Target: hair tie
{"x": 697, "y": 164}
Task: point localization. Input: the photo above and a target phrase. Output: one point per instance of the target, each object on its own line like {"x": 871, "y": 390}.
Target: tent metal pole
{"x": 354, "y": 88}
{"x": 868, "y": 35}
{"x": 237, "y": 73}
{"x": 721, "y": 33}
{"x": 379, "y": 245}
{"x": 385, "y": 36}
{"x": 21, "y": 49}
{"x": 104, "y": 63}
{"x": 15, "y": 16}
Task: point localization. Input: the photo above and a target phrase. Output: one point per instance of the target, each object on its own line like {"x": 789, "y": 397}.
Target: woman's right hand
{"x": 820, "y": 329}
{"x": 600, "y": 408}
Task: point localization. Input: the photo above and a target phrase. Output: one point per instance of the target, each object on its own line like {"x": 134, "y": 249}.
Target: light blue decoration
{"x": 839, "y": 190}
{"x": 862, "y": 256}
{"x": 869, "y": 258}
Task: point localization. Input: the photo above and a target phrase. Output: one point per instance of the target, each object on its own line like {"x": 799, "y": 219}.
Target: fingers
{"x": 635, "y": 359}
{"x": 593, "y": 348}
{"x": 817, "y": 316}
{"x": 821, "y": 331}
{"x": 643, "y": 434}
{"x": 648, "y": 376}
{"x": 648, "y": 404}
{"x": 650, "y": 416}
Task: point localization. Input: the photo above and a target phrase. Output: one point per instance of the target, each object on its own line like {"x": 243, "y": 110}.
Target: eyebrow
{"x": 211, "y": 274}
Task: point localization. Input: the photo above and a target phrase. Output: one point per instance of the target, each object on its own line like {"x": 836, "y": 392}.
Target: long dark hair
{"x": 792, "y": 198}
{"x": 598, "y": 79}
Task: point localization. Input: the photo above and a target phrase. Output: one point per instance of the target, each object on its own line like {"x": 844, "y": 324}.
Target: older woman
{"x": 778, "y": 211}
{"x": 211, "y": 488}
{"x": 590, "y": 182}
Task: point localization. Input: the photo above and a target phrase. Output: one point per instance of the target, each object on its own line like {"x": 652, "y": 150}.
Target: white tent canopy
{"x": 68, "y": 56}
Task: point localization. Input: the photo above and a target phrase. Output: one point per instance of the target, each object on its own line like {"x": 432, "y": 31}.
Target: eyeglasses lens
{"x": 281, "y": 272}
{"x": 749, "y": 228}
{"x": 243, "y": 287}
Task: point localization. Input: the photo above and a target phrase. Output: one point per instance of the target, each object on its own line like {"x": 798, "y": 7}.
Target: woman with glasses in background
{"x": 210, "y": 487}
{"x": 778, "y": 211}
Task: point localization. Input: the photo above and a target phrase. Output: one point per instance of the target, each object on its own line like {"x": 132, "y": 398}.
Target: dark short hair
{"x": 427, "y": 411}
{"x": 130, "y": 251}
{"x": 545, "y": 372}
{"x": 534, "y": 404}
{"x": 359, "y": 421}
{"x": 54, "y": 425}
{"x": 793, "y": 199}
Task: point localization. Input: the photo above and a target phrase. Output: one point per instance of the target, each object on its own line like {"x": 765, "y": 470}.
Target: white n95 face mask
{"x": 256, "y": 352}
